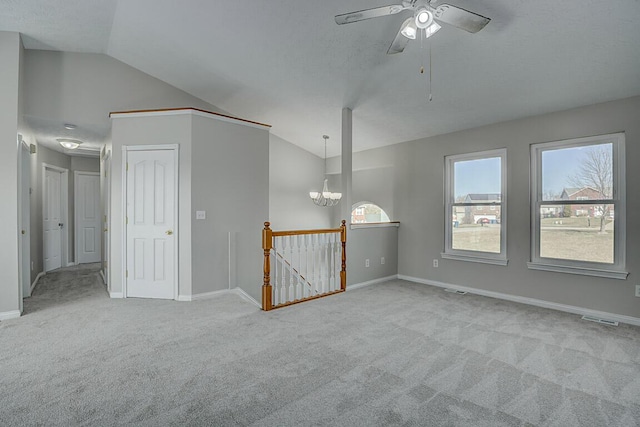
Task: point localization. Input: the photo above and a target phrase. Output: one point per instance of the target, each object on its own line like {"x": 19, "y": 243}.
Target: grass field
{"x": 574, "y": 239}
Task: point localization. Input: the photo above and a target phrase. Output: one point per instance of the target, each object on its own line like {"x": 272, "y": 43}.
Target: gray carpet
{"x": 395, "y": 354}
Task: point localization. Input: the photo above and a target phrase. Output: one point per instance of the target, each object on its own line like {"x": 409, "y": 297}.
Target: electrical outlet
{"x": 366, "y": 262}
{"x": 638, "y": 290}
{"x": 382, "y": 260}
{"x": 32, "y": 266}
{"x": 435, "y": 263}
{"x": 201, "y": 215}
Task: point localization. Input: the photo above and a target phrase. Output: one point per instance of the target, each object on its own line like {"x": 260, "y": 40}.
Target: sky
{"x": 483, "y": 175}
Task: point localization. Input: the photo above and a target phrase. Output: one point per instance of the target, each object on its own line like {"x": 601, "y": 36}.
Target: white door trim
{"x": 76, "y": 235}
{"x": 176, "y": 152}
{"x": 24, "y": 232}
{"x": 64, "y": 203}
{"x": 106, "y": 229}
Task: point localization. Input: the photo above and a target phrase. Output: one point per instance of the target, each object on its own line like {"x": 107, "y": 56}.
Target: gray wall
{"x": 293, "y": 173}
{"x": 10, "y": 53}
{"x": 419, "y": 208}
{"x": 224, "y": 171}
{"x": 230, "y": 181}
{"x": 372, "y": 244}
{"x": 86, "y": 87}
{"x": 158, "y": 130}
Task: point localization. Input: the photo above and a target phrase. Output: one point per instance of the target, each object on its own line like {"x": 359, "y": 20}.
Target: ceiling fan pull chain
{"x": 430, "y": 95}
{"x": 421, "y": 47}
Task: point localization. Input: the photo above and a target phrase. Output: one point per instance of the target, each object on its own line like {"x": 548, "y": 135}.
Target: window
{"x": 475, "y": 207}
{"x": 576, "y": 187}
{"x": 366, "y": 212}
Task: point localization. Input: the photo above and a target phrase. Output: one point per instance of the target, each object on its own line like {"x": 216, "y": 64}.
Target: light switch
{"x": 201, "y": 214}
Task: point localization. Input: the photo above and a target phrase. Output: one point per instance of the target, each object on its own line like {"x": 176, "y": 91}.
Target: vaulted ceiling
{"x": 288, "y": 64}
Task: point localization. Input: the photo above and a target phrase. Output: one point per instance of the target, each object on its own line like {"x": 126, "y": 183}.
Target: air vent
{"x": 455, "y": 291}
{"x": 599, "y": 320}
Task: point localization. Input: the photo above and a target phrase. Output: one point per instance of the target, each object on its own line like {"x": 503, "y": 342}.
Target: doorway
{"x": 88, "y": 225}
{"x": 151, "y": 200}
{"x": 55, "y": 184}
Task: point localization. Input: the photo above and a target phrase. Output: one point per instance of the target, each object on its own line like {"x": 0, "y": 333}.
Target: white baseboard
{"x": 207, "y": 295}
{"x": 35, "y": 282}
{"x": 371, "y": 282}
{"x": 116, "y": 295}
{"x": 14, "y": 314}
{"x": 530, "y": 301}
{"x": 240, "y": 292}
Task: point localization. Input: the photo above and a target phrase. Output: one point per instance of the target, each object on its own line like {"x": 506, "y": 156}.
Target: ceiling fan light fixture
{"x": 423, "y": 18}
{"x": 409, "y": 29}
{"x": 69, "y": 144}
{"x": 432, "y": 29}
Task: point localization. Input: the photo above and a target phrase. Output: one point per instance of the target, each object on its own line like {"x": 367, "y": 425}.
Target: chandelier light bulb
{"x": 423, "y": 18}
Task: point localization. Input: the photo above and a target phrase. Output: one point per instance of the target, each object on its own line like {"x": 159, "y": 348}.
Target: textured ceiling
{"x": 288, "y": 64}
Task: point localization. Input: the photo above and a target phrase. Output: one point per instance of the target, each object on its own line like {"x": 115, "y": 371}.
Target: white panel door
{"x": 52, "y": 220}
{"x": 88, "y": 224}
{"x": 151, "y": 237}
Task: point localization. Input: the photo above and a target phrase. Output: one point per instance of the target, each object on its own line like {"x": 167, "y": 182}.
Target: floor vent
{"x": 599, "y": 320}
{"x": 455, "y": 291}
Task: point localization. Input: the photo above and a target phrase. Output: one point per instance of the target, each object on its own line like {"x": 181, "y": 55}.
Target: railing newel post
{"x": 267, "y": 242}
{"x": 343, "y": 271}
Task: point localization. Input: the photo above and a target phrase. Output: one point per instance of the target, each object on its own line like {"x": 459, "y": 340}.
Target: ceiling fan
{"x": 425, "y": 17}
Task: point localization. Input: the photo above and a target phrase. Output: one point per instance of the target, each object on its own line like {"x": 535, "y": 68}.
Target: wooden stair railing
{"x": 300, "y": 278}
{"x": 322, "y": 265}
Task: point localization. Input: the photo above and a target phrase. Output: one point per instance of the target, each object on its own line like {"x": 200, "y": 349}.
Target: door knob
{"x": 169, "y": 232}
{"x": 60, "y": 224}
{"x": 24, "y": 232}
{"x": 105, "y": 230}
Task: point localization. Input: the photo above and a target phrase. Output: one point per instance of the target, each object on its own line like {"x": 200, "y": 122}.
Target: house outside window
{"x": 475, "y": 207}
{"x": 366, "y": 212}
{"x": 578, "y": 205}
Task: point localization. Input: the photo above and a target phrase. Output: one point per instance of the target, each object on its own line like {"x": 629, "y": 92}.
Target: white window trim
{"x": 449, "y": 181}
{"x": 612, "y": 271}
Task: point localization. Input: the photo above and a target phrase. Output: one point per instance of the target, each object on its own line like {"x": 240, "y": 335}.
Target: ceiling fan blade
{"x": 361, "y": 15}
{"x": 400, "y": 42}
{"x": 461, "y": 18}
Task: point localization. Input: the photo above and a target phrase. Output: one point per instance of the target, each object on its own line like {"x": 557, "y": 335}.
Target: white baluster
{"x": 274, "y": 282}
{"x": 299, "y": 268}
{"x": 283, "y": 280}
{"x": 291, "y": 271}
{"x": 332, "y": 281}
{"x": 314, "y": 244}
{"x": 306, "y": 290}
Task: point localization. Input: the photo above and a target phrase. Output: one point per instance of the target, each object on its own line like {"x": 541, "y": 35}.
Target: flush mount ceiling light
{"x": 69, "y": 144}
{"x": 70, "y": 126}
{"x": 325, "y": 198}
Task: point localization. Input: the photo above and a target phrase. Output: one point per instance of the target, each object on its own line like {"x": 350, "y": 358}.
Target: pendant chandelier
{"x": 325, "y": 197}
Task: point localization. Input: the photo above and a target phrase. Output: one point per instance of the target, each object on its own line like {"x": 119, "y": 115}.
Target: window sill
{"x": 472, "y": 258}
{"x": 609, "y": 274}
{"x": 375, "y": 225}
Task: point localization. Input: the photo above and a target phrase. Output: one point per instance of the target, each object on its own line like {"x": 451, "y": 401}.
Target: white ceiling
{"x": 287, "y": 63}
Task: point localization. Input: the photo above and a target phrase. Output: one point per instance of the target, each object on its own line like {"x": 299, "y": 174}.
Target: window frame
{"x": 618, "y": 200}
{"x": 450, "y": 204}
